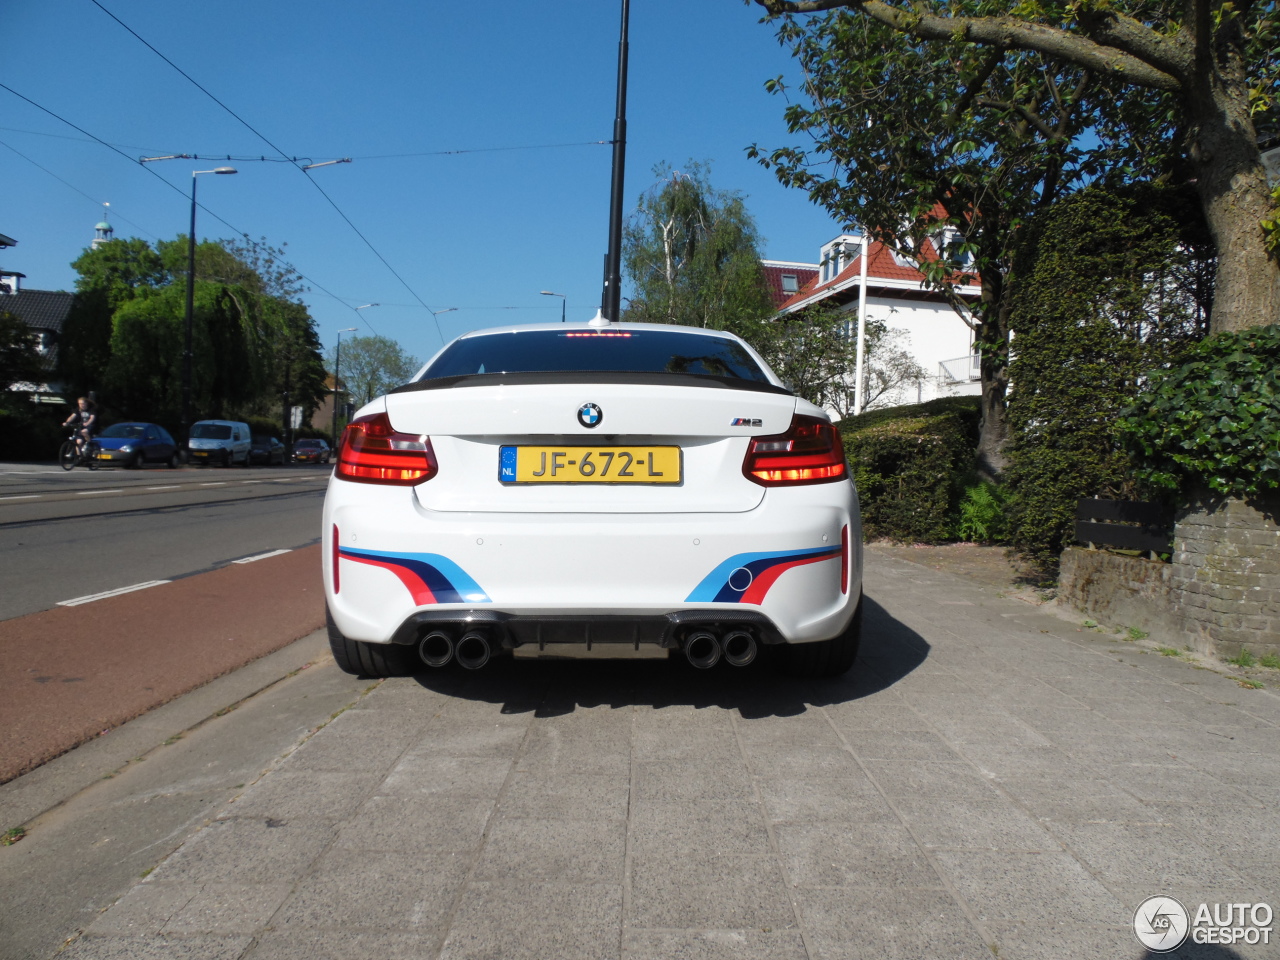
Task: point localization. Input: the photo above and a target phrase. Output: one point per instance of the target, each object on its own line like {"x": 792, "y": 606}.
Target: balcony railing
{"x": 961, "y": 369}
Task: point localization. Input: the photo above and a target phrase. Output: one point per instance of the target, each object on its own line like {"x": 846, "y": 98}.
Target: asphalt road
{"x": 67, "y": 535}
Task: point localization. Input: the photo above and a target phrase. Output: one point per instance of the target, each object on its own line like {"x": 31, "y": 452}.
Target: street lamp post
{"x": 337, "y": 363}
{"x": 191, "y": 293}
{"x": 548, "y": 293}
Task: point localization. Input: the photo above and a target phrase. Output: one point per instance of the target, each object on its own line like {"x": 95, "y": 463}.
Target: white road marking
{"x": 253, "y": 481}
{"x": 174, "y": 486}
{"x": 86, "y": 493}
{"x": 110, "y": 593}
{"x": 215, "y": 483}
{"x": 22, "y": 496}
{"x": 261, "y": 556}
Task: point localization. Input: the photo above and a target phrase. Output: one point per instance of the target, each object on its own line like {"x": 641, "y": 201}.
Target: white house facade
{"x": 896, "y": 294}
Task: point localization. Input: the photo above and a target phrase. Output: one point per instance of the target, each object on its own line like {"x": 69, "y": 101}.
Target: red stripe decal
{"x": 334, "y": 563}
{"x": 765, "y": 579}
{"x": 421, "y": 592}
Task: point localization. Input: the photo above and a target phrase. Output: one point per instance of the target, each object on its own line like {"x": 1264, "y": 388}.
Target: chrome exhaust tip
{"x": 739, "y": 647}
{"x": 436, "y": 649}
{"x": 472, "y": 651}
{"x": 702, "y": 649}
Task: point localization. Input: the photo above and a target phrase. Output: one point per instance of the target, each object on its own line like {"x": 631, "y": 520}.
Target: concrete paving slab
{"x": 989, "y": 782}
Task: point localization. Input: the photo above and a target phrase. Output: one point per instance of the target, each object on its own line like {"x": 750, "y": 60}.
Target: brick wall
{"x": 1220, "y": 593}
{"x": 1225, "y": 575}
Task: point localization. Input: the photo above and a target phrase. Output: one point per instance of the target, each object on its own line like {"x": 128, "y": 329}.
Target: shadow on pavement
{"x": 548, "y": 688}
{"x": 1196, "y": 951}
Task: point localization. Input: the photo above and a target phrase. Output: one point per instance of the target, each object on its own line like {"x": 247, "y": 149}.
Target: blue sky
{"x": 481, "y": 231}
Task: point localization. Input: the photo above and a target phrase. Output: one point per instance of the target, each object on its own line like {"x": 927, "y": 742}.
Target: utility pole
{"x": 611, "y": 299}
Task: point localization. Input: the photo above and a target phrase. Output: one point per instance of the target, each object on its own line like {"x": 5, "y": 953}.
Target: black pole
{"x": 191, "y": 293}
{"x": 612, "y": 297}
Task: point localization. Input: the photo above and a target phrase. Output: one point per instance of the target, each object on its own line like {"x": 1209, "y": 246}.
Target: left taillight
{"x": 371, "y": 451}
{"x": 809, "y": 452}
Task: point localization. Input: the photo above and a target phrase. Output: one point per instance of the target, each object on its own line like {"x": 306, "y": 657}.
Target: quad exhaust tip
{"x": 739, "y": 647}
{"x": 436, "y": 649}
{"x": 703, "y": 649}
{"x": 472, "y": 651}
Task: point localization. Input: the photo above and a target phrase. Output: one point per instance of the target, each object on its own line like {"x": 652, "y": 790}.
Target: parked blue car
{"x": 133, "y": 444}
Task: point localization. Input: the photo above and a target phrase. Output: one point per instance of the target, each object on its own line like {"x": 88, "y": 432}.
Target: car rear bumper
{"x": 558, "y": 573}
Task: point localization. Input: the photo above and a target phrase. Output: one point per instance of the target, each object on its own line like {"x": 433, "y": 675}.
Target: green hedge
{"x": 1212, "y": 421}
{"x": 1101, "y": 301}
{"x": 909, "y": 464}
{"x": 33, "y": 432}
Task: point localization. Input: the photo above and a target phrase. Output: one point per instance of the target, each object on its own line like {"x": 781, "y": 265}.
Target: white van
{"x": 224, "y": 442}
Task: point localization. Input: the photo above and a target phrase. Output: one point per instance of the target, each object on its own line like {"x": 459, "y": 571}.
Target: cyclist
{"x": 85, "y": 418}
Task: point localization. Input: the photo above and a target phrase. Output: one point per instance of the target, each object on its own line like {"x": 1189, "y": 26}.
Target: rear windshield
{"x": 597, "y": 351}
{"x": 211, "y": 431}
{"x": 307, "y": 443}
{"x": 123, "y": 431}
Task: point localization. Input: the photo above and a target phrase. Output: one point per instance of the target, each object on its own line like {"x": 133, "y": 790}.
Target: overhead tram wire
{"x": 115, "y": 215}
{"x": 448, "y": 153}
{"x": 188, "y": 76}
{"x": 174, "y": 188}
{"x": 377, "y": 156}
{"x": 264, "y": 139}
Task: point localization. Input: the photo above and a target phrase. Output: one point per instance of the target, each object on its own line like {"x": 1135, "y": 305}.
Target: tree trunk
{"x": 1232, "y": 185}
{"x": 991, "y": 340}
{"x": 991, "y": 458}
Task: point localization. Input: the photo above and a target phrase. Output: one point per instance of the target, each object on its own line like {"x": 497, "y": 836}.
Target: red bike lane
{"x": 70, "y": 674}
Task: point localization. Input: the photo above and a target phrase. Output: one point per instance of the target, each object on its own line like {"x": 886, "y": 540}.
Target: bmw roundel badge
{"x": 589, "y": 415}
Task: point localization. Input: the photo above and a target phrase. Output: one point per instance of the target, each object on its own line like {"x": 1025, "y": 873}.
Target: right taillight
{"x": 371, "y": 451}
{"x": 809, "y": 452}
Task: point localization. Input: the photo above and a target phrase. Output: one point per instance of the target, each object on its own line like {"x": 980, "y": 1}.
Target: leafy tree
{"x": 144, "y": 376}
{"x": 253, "y": 339}
{"x": 691, "y": 254}
{"x": 119, "y": 269}
{"x": 373, "y": 365}
{"x": 20, "y": 362}
{"x": 85, "y": 347}
{"x": 1183, "y": 80}
{"x": 942, "y": 151}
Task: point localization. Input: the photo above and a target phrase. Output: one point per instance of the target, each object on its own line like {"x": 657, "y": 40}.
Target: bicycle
{"x": 70, "y": 455}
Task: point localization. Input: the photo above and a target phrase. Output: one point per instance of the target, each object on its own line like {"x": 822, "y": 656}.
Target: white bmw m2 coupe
{"x": 592, "y": 489}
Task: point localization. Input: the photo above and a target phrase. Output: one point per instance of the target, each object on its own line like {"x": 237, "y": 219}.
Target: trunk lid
{"x": 469, "y": 425}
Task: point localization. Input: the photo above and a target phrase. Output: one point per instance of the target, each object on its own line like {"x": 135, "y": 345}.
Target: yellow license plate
{"x": 565, "y": 464}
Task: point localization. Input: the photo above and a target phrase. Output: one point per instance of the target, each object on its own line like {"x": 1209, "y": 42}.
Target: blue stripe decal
{"x": 716, "y": 587}
{"x": 443, "y": 577}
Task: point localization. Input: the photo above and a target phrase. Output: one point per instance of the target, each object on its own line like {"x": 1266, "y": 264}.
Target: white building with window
{"x": 931, "y": 330}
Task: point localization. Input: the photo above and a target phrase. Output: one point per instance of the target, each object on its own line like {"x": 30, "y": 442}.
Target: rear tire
{"x": 369, "y": 659}
{"x": 826, "y": 658}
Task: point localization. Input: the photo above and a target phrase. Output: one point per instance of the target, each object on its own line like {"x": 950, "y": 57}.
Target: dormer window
{"x": 903, "y": 259}
{"x": 790, "y": 283}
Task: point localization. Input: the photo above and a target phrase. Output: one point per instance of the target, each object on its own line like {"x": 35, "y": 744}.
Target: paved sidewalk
{"x": 988, "y": 782}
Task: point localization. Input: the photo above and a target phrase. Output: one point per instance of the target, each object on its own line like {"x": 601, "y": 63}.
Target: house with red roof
{"x": 896, "y": 293}
{"x": 44, "y": 312}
